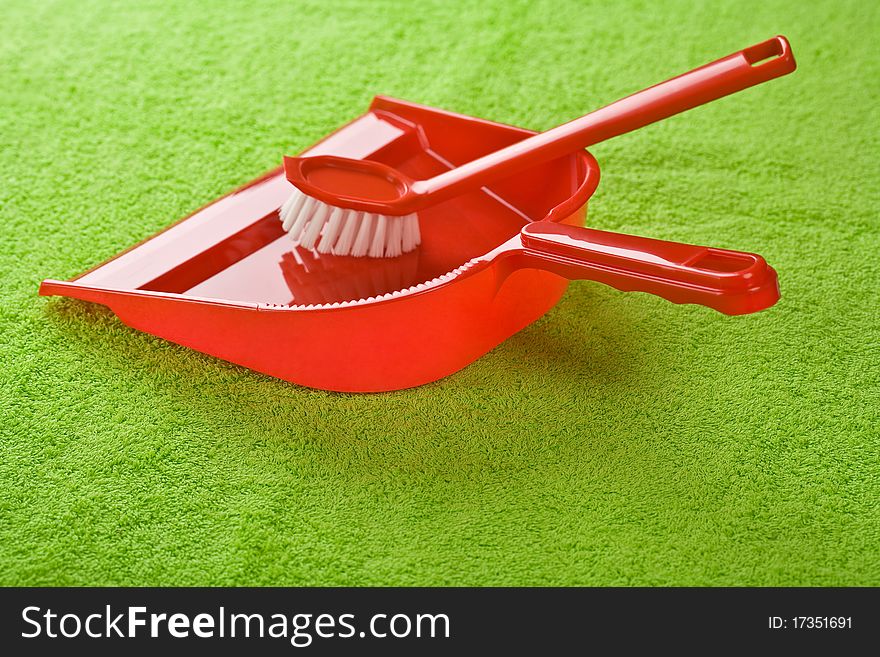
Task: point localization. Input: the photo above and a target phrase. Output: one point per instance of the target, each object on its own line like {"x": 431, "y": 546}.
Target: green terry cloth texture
{"x": 620, "y": 440}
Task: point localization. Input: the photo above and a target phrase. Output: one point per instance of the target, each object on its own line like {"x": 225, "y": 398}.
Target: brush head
{"x": 329, "y": 229}
{"x": 349, "y": 207}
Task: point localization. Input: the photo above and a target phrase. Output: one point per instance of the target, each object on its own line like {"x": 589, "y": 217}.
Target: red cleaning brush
{"x": 364, "y": 208}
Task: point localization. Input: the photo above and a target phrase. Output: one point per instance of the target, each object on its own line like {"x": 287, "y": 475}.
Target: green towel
{"x": 621, "y": 439}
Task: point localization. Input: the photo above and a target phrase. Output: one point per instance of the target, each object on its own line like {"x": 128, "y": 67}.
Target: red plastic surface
{"x": 732, "y": 282}
{"x": 377, "y": 187}
{"x": 227, "y": 281}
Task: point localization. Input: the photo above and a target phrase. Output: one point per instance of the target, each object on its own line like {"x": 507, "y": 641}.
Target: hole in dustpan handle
{"x": 732, "y": 282}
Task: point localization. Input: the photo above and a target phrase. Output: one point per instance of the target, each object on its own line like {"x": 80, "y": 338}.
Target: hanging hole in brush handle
{"x": 736, "y": 72}
{"x": 732, "y": 282}
{"x": 773, "y": 55}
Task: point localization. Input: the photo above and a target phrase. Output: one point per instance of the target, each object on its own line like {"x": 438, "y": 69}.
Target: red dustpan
{"x": 228, "y": 282}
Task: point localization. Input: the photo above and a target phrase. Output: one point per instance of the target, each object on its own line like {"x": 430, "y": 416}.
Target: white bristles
{"x": 302, "y": 219}
{"x": 290, "y": 210}
{"x": 285, "y": 207}
{"x": 350, "y": 221}
{"x": 377, "y": 243}
{"x": 365, "y": 234}
{"x": 332, "y": 230}
{"x": 315, "y": 225}
{"x": 393, "y": 246}
{"x": 412, "y": 221}
{"x": 410, "y": 228}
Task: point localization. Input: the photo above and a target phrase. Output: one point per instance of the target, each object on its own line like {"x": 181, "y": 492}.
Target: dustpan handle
{"x": 732, "y": 282}
{"x": 740, "y": 70}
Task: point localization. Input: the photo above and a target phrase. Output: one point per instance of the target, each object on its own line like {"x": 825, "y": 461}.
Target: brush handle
{"x": 732, "y": 282}
{"x": 746, "y": 68}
